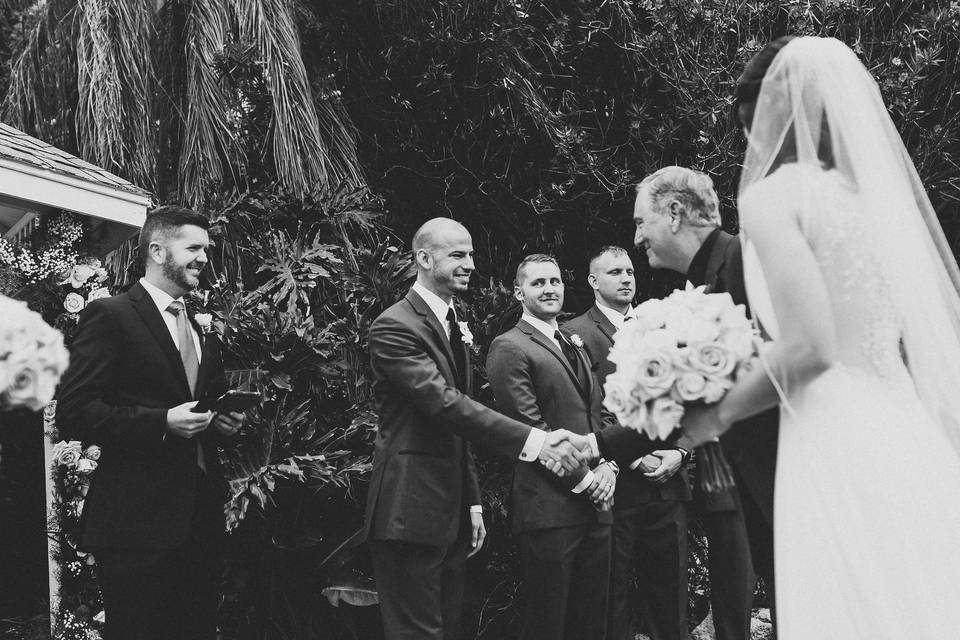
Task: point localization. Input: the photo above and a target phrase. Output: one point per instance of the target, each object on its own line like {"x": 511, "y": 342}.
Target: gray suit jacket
{"x": 533, "y": 382}
{"x": 423, "y": 478}
{"x": 597, "y": 333}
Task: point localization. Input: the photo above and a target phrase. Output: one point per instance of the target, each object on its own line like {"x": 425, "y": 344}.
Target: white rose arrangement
{"x": 32, "y": 357}
{"x": 682, "y": 350}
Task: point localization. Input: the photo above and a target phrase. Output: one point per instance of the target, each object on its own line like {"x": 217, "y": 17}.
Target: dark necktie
{"x": 456, "y": 345}
{"x": 188, "y": 356}
{"x": 568, "y": 351}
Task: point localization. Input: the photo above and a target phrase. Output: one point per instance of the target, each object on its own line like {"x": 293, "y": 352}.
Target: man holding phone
{"x": 153, "y": 516}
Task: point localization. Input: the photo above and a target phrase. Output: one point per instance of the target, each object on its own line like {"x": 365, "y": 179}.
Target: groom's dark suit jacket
{"x": 423, "y": 479}
{"x": 125, "y": 372}
{"x": 533, "y": 382}
{"x": 597, "y": 332}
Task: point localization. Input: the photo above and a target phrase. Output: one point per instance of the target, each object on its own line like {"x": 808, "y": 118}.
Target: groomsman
{"x": 540, "y": 376}
{"x": 650, "y": 504}
{"x": 423, "y": 516}
{"x": 678, "y": 224}
{"x": 154, "y": 513}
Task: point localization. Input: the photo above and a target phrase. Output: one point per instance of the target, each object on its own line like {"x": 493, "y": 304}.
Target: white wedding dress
{"x": 867, "y": 502}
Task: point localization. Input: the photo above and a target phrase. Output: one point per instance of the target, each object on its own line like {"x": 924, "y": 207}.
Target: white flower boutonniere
{"x": 577, "y": 341}
{"x": 74, "y": 303}
{"x": 465, "y": 334}
{"x": 204, "y": 321}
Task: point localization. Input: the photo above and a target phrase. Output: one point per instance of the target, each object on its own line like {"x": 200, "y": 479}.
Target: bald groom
{"x": 423, "y": 516}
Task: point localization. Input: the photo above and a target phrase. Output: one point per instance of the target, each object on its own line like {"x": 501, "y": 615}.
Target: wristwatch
{"x": 613, "y": 467}
{"x": 684, "y": 455}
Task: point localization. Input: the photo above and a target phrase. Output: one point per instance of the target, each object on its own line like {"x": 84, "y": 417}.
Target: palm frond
{"x": 114, "y": 84}
{"x": 300, "y": 156}
{"x": 209, "y": 147}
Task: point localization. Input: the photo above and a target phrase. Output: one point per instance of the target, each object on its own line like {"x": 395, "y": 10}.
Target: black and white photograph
{"x": 479, "y": 319}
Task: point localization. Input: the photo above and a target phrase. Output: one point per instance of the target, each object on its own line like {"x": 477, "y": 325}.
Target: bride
{"x": 848, "y": 270}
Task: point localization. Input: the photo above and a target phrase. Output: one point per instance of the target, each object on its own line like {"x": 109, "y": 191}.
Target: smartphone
{"x": 232, "y": 400}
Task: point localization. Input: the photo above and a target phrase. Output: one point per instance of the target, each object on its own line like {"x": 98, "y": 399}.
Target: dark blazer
{"x": 597, "y": 332}
{"x": 423, "y": 480}
{"x": 533, "y": 382}
{"x": 751, "y": 445}
{"x": 125, "y": 373}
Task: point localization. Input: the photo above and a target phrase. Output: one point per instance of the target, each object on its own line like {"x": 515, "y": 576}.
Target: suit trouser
{"x": 566, "y": 577}
{"x": 420, "y": 588}
{"x": 734, "y": 566}
{"x": 650, "y": 538}
{"x": 167, "y": 594}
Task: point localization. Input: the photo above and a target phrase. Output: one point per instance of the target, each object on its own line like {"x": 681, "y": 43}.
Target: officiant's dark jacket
{"x": 751, "y": 445}
{"x": 533, "y": 382}
{"x": 125, "y": 373}
{"x": 596, "y": 331}
{"x": 423, "y": 480}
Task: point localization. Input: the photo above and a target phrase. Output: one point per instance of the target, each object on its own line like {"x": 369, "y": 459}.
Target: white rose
{"x": 80, "y": 274}
{"x": 66, "y": 453}
{"x": 650, "y": 314}
{"x": 740, "y": 343}
{"x": 86, "y": 466}
{"x": 630, "y": 411}
{"x": 665, "y": 415}
{"x": 204, "y": 320}
{"x": 689, "y": 387}
{"x": 96, "y": 294}
{"x": 734, "y": 318}
{"x": 713, "y": 360}
{"x": 74, "y": 303}
{"x": 701, "y": 330}
{"x": 713, "y": 306}
{"x": 655, "y": 374}
{"x": 92, "y": 452}
{"x": 715, "y": 389}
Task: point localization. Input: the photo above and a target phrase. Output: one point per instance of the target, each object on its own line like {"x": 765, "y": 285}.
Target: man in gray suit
{"x": 650, "y": 504}
{"x": 542, "y": 377}
{"x": 423, "y": 513}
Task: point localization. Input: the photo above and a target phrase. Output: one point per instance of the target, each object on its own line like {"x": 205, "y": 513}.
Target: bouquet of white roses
{"x": 32, "y": 357}
{"x": 685, "y": 349}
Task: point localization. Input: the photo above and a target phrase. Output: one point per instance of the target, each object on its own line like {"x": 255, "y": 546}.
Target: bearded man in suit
{"x": 541, "y": 377}
{"x": 678, "y": 224}
{"x": 650, "y": 504}
{"x": 423, "y": 515}
{"x": 153, "y": 515}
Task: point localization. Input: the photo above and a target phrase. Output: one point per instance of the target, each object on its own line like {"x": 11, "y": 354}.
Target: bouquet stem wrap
{"x": 714, "y": 474}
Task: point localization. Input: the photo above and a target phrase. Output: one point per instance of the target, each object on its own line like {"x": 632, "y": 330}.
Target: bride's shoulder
{"x": 783, "y": 191}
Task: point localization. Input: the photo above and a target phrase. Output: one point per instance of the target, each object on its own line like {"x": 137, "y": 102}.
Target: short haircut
{"x": 533, "y": 258}
{"x": 165, "y": 221}
{"x": 426, "y": 236}
{"x": 610, "y": 249}
{"x": 693, "y": 189}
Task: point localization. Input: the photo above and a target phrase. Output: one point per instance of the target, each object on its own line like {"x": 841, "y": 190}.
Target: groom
{"x": 423, "y": 516}
{"x": 154, "y": 513}
{"x": 678, "y": 224}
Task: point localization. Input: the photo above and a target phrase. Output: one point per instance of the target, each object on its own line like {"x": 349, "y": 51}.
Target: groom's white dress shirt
{"x": 163, "y": 299}
{"x": 615, "y": 317}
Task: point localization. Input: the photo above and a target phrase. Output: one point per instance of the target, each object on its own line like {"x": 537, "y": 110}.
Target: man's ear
{"x": 422, "y": 258}
{"x": 518, "y": 293}
{"x": 592, "y": 280}
{"x": 676, "y": 215}
{"x": 156, "y": 252}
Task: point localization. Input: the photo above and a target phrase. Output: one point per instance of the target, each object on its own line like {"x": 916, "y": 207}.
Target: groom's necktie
{"x": 188, "y": 356}
{"x": 456, "y": 345}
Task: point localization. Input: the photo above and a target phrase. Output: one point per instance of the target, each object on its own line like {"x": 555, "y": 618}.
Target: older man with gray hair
{"x": 678, "y": 224}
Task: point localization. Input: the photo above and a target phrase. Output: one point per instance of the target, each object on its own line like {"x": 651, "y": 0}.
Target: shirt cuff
{"x": 635, "y": 464}
{"x": 594, "y": 448}
{"x": 476, "y": 508}
{"x": 533, "y": 445}
{"x": 586, "y": 482}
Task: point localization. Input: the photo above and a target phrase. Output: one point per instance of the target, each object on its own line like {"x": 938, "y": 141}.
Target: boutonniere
{"x": 465, "y": 334}
{"x": 204, "y": 321}
{"x": 577, "y": 341}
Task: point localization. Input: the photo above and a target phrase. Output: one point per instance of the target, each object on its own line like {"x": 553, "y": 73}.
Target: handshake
{"x": 565, "y": 453}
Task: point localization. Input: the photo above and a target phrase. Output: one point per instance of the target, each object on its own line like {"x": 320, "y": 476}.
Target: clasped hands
{"x": 564, "y": 452}
{"x": 183, "y": 422}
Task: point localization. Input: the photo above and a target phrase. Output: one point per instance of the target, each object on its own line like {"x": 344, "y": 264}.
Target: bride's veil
{"x": 818, "y": 104}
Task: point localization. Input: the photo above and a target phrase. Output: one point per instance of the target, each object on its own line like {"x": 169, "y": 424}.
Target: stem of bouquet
{"x": 715, "y": 474}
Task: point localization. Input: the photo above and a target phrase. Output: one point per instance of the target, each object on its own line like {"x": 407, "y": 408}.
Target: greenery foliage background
{"x": 529, "y": 121}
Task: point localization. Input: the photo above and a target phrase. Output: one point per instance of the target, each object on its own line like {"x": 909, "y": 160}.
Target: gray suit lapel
{"x": 420, "y": 306}
{"x": 603, "y": 323}
{"x": 547, "y": 344}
